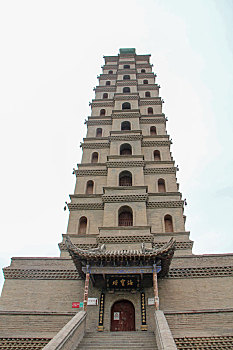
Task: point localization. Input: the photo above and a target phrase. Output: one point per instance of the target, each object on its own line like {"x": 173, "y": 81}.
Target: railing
{"x": 163, "y": 333}
{"x": 70, "y": 335}
{"x": 125, "y": 223}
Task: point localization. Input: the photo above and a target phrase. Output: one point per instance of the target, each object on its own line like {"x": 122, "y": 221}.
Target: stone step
{"x": 118, "y": 341}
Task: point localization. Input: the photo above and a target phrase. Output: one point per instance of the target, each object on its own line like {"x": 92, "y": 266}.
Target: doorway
{"x": 122, "y": 316}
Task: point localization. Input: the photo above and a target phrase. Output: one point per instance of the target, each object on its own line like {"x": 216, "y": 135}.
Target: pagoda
{"x": 126, "y": 262}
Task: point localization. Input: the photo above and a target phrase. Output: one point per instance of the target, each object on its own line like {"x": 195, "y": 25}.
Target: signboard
{"x": 151, "y": 301}
{"x": 77, "y": 305}
{"x": 92, "y": 301}
{"x": 116, "y": 316}
{"x": 143, "y": 312}
{"x": 123, "y": 282}
{"x": 101, "y": 313}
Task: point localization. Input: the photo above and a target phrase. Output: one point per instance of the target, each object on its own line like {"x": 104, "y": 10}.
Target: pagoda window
{"x": 94, "y": 157}
{"x": 150, "y": 110}
{"x": 108, "y": 82}
{"x": 90, "y": 187}
{"x": 125, "y": 178}
{"x": 161, "y": 185}
{"x": 125, "y": 125}
{"x": 126, "y": 77}
{"x": 125, "y": 216}
{"x": 168, "y": 223}
{"x": 82, "y": 228}
{"x": 99, "y": 132}
{"x": 143, "y": 71}
{"x": 157, "y": 155}
{"x": 147, "y": 94}
{"x": 145, "y": 81}
{"x": 125, "y": 149}
{"x": 102, "y": 112}
{"x": 110, "y": 72}
{"x": 126, "y": 66}
{"x": 153, "y": 130}
{"x": 126, "y": 89}
{"x": 105, "y": 95}
{"x": 126, "y": 105}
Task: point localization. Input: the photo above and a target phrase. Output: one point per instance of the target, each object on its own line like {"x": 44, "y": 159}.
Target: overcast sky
{"x": 51, "y": 54}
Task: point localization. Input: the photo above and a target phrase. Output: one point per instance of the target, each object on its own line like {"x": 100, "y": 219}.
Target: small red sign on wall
{"x": 76, "y": 305}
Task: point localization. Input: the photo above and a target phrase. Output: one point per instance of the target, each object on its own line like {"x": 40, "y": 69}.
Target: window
{"x": 126, "y": 105}
{"x": 125, "y": 216}
{"x": 108, "y": 82}
{"x": 125, "y": 178}
{"x": 99, "y": 132}
{"x": 147, "y": 94}
{"x": 94, "y": 157}
{"x": 105, "y": 95}
{"x": 90, "y": 187}
{"x": 125, "y": 126}
{"x": 110, "y": 72}
{"x": 161, "y": 185}
{"x": 157, "y": 155}
{"x": 153, "y": 130}
{"x": 126, "y": 66}
{"x": 143, "y": 71}
{"x": 125, "y": 149}
{"x": 126, "y": 89}
{"x": 168, "y": 223}
{"x": 82, "y": 228}
{"x": 145, "y": 81}
{"x": 126, "y": 77}
{"x": 102, "y": 112}
{"x": 150, "y": 110}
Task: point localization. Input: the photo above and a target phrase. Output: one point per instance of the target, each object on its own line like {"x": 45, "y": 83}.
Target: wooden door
{"x": 123, "y": 316}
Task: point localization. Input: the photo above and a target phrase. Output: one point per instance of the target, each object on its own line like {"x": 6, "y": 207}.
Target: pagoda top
{"x": 127, "y": 51}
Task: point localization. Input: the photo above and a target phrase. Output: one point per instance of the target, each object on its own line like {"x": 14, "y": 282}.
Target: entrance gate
{"x": 122, "y": 316}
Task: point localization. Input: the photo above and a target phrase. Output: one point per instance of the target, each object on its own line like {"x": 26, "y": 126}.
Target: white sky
{"x": 51, "y": 53}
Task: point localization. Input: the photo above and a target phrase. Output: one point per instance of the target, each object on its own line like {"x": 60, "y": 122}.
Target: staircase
{"x": 118, "y": 341}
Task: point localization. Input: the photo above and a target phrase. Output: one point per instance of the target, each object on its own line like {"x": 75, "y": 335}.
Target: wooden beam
{"x": 155, "y": 287}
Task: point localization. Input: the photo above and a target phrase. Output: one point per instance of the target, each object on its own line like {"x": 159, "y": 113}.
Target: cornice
{"x": 127, "y": 71}
{"x": 124, "y": 198}
{"x": 89, "y": 172}
{"x": 148, "y": 87}
{"x": 126, "y": 82}
{"x": 99, "y": 122}
{"x": 110, "y": 66}
{"x": 126, "y": 97}
{"x": 155, "y": 143}
{"x": 85, "y": 206}
{"x": 126, "y": 138}
{"x": 153, "y": 121}
{"x": 125, "y": 164}
{"x": 149, "y": 171}
{"x": 144, "y": 65}
{"x": 103, "y": 103}
{"x": 146, "y": 75}
{"x": 107, "y": 76}
{"x": 200, "y": 272}
{"x": 125, "y": 239}
{"x": 95, "y": 145}
{"x": 105, "y": 88}
{"x": 149, "y": 102}
{"x": 168, "y": 204}
{"x": 31, "y": 274}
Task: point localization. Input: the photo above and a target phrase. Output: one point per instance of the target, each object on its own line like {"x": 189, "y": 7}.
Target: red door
{"x": 123, "y": 316}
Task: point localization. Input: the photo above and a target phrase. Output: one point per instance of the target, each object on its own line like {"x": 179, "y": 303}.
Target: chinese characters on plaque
{"x": 101, "y": 313}
{"x": 123, "y": 282}
{"x": 143, "y": 312}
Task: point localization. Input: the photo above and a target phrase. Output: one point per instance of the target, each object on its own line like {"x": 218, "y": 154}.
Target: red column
{"x": 155, "y": 287}
{"x": 85, "y": 298}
